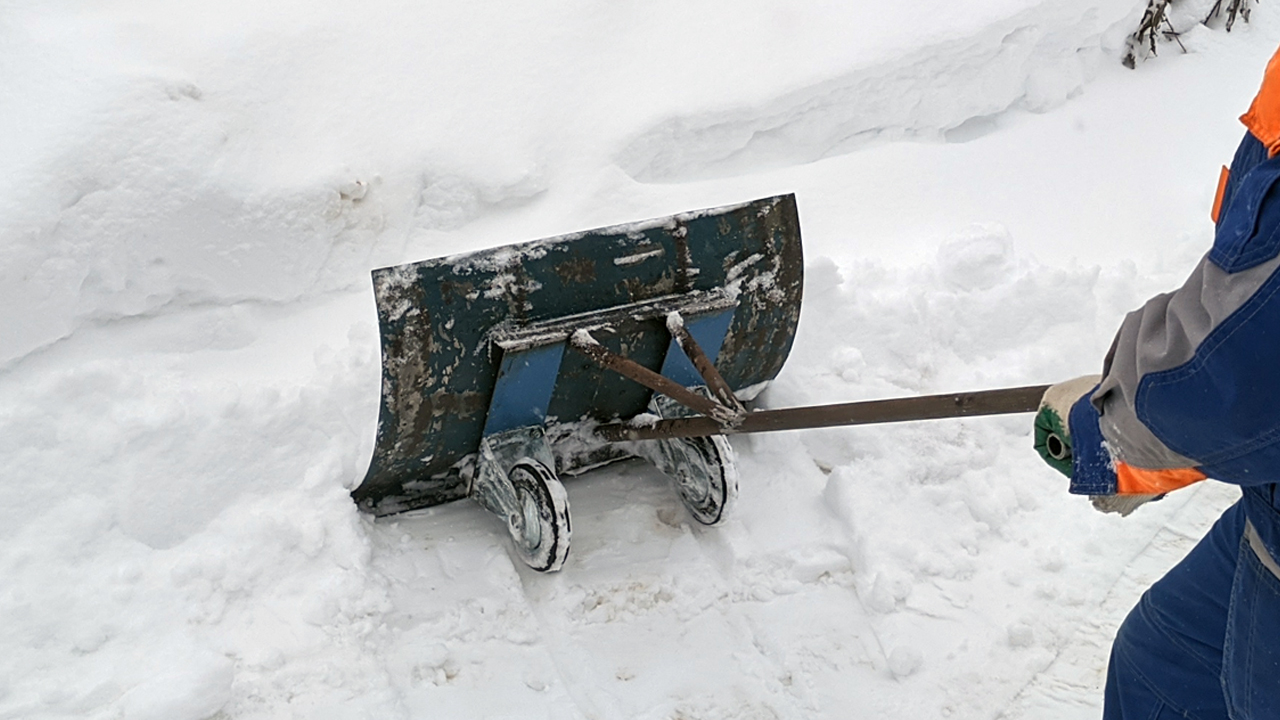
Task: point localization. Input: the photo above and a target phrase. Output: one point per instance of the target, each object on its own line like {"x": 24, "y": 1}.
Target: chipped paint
{"x": 439, "y": 318}
{"x": 640, "y": 257}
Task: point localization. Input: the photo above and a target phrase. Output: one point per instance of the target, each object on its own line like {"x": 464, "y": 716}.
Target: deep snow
{"x": 192, "y": 199}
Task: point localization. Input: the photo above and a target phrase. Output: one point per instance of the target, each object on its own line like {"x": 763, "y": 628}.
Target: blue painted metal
{"x": 709, "y": 331}
{"x": 522, "y": 393}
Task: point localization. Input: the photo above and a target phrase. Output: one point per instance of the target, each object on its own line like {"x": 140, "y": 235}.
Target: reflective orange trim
{"x": 1263, "y": 118}
{"x": 1132, "y": 480}
{"x": 1222, "y": 189}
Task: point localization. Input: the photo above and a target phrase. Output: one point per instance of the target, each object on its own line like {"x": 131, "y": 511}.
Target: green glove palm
{"x": 1052, "y": 433}
{"x": 1053, "y": 440}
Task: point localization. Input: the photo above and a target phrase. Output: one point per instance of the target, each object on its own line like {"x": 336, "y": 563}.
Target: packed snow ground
{"x": 193, "y": 197}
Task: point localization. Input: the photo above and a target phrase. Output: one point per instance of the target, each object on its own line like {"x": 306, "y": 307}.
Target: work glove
{"x": 1053, "y": 434}
{"x": 1121, "y": 504}
{"x": 1053, "y": 439}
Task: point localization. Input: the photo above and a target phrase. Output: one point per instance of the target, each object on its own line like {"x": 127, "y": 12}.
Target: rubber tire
{"x": 717, "y": 457}
{"x": 534, "y": 481}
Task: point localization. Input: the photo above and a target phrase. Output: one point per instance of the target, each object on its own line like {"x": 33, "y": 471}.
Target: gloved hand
{"x": 1053, "y": 434}
{"x": 1053, "y": 440}
{"x": 1120, "y": 504}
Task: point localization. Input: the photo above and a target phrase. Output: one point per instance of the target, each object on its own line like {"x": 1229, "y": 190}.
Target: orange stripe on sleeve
{"x": 1263, "y": 118}
{"x": 1222, "y": 189}
{"x": 1132, "y": 480}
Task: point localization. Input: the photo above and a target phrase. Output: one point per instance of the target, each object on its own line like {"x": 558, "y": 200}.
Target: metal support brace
{"x": 702, "y": 468}
{"x": 587, "y": 345}
{"x": 707, "y": 369}
{"x": 583, "y": 342}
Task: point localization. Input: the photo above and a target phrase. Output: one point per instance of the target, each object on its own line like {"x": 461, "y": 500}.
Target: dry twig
{"x": 1157, "y": 14}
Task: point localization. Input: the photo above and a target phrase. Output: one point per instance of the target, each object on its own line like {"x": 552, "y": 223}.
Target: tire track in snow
{"x": 645, "y": 621}
{"x": 465, "y": 640}
{"x": 1071, "y": 686}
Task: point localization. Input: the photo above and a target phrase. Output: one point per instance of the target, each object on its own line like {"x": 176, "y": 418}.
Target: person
{"x": 1189, "y": 390}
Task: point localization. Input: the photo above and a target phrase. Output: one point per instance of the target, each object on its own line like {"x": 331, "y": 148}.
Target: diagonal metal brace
{"x": 707, "y": 369}
{"x": 582, "y": 342}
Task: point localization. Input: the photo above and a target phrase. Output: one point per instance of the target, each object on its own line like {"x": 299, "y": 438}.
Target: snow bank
{"x": 935, "y": 70}
{"x": 170, "y": 534}
{"x": 175, "y": 156}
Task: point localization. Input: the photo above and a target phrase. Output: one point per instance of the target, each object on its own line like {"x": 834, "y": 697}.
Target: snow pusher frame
{"x": 480, "y": 399}
{"x": 670, "y": 322}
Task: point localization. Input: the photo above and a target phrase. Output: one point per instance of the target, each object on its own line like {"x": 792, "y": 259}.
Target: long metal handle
{"x": 927, "y": 407}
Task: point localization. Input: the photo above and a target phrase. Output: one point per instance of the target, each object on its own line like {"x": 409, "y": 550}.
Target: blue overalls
{"x": 1204, "y": 641}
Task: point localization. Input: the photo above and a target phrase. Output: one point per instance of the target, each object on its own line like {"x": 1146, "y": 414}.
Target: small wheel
{"x": 541, "y": 529}
{"x": 705, "y": 475}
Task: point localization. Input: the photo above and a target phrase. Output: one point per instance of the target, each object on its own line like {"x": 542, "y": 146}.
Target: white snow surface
{"x": 194, "y": 194}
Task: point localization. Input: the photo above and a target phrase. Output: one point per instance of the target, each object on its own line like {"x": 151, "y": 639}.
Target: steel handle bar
{"x": 927, "y": 407}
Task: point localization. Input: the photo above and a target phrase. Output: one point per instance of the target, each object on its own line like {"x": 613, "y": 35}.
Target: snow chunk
{"x": 904, "y": 661}
{"x": 1021, "y": 635}
{"x": 979, "y": 259}
{"x": 196, "y": 689}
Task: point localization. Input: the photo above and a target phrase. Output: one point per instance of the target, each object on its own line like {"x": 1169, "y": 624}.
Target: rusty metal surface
{"x": 716, "y": 383}
{"x": 926, "y": 407}
{"x": 439, "y": 319}
{"x": 587, "y": 345}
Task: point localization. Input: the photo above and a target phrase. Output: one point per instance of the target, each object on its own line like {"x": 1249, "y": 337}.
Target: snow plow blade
{"x": 492, "y": 371}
